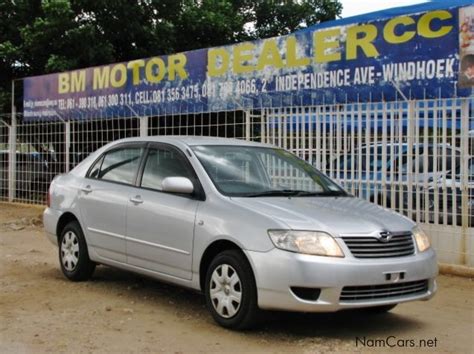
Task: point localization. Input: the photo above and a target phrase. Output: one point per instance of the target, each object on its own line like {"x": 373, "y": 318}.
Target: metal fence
{"x": 415, "y": 157}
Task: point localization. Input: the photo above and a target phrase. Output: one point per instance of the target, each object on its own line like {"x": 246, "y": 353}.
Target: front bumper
{"x": 277, "y": 271}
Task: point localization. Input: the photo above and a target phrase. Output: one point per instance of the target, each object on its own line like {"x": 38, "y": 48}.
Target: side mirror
{"x": 180, "y": 185}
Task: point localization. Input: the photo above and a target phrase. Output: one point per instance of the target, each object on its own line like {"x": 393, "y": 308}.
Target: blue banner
{"x": 417, "y": 52}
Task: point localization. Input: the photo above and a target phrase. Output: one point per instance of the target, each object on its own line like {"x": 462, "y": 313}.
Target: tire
{"x": 380, "y": 309}
{"x": 223, "y": 291}
{"x": 73, "y": 255}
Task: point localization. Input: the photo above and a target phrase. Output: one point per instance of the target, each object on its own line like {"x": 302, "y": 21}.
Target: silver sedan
{"x": 250, "y": 225}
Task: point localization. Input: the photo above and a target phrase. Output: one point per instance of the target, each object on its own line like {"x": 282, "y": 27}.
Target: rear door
{"x": 160, "y": 226}
{"x": 104, "y": 196}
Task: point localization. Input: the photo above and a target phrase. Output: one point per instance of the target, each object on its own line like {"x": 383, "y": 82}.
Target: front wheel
{"x": 73, "y": 254}
{"x": 231, "y": 293}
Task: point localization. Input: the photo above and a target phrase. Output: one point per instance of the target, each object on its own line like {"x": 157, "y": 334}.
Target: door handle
{"x": 136, "y": 200}
{"x": 87, "y": 189}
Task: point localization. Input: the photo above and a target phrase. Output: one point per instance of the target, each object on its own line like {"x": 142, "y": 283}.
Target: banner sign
{"x": 417, "y": 52}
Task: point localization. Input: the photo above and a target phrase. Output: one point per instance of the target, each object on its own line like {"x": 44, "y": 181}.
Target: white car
{"x": 251, "y": 225}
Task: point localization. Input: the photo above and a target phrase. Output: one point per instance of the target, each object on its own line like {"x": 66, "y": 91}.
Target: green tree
{"x": 43, "y": 36}
{"x": 275, "y": 18}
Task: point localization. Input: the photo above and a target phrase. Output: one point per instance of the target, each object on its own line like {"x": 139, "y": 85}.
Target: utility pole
{"x": 12, "y": 150}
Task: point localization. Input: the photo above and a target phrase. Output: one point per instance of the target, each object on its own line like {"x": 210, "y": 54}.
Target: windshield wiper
{"x": 272, "y": 193}
{"x": 328, "y": 194}
{"x": 293, "y": 193}
{"x": 285, "y": 193}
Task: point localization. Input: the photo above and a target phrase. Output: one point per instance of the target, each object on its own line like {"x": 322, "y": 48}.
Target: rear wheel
{"x": 73, "y": 254}
{"x": 231, "y": 293}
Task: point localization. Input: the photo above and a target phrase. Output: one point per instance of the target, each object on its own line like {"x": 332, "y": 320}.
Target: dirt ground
{"x": 40, "y": 311}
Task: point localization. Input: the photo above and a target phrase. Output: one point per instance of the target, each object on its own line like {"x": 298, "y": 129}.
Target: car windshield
{"x": 249, "y": 171}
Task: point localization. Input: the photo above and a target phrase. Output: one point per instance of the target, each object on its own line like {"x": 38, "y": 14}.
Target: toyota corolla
{"x": 250, "y": 225}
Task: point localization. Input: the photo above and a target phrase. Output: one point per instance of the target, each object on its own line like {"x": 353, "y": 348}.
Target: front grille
{"x": 385, "y": 291}
{"x": 371, "y": 247}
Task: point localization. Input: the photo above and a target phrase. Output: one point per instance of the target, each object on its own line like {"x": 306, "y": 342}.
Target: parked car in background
{"x": 364, "y": 169}
{"x": 250, "y": 225}
{"x": 34, "y": 172}
{"x": 79, "y": 152}
{"x": 442, "y": 200}
{"x": 445, "y": 198}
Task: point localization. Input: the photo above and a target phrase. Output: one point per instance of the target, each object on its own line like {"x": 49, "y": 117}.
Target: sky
{"x": 357, "y": 7}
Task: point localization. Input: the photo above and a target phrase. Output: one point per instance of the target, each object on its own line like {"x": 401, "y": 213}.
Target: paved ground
{"x": 119, "y": 312}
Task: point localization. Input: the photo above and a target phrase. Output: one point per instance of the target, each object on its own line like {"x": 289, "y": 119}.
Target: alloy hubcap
{"x": 70, "y": 251}
{"x": 225, "y": 291}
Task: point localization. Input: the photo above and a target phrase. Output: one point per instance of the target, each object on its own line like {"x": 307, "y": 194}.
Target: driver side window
{"x": 162, "y": 163}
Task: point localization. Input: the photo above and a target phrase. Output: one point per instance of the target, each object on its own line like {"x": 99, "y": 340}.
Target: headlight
{"x": 308, "y": 242}
{"x": 422, "y": 240}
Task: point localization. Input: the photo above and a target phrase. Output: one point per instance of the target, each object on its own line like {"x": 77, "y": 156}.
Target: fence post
{"x": 67, "y": 145}
{"x": 262, "y": 126}
{"x": 410, "y": 144}
{"x": 464, "y": 180}
{"x": 143, "y": 126}
{"x": 247, "y": 125}
{"x": 12, "y": 157}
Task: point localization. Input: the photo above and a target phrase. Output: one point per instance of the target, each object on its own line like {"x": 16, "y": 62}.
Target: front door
{"x": 160, "y": 226}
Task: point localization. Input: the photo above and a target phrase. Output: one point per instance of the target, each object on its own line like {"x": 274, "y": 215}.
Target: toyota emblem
{"x": 385, "y": 236}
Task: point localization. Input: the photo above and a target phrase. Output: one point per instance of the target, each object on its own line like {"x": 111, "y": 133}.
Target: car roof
{"x": 179, "y": 141}
{"x": 193, "y": 140}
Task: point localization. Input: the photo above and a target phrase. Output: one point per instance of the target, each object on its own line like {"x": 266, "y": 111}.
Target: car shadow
{"x": 338, "y": 325}
{"x": 273, "y": 324}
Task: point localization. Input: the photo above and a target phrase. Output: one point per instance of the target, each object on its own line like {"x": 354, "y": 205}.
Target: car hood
{"x": 336, "y": 215}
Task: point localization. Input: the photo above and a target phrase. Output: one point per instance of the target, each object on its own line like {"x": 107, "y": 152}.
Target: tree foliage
{"x": 43, "y": 36}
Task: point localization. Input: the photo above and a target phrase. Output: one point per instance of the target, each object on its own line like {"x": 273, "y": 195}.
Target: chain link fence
{"x": 415, "y": 157}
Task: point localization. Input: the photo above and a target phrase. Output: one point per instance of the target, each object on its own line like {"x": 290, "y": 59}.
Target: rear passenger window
{"x": 120, "y": 165}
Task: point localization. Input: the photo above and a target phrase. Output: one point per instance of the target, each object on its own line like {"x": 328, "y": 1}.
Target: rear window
{"x": 119, "y": 165}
